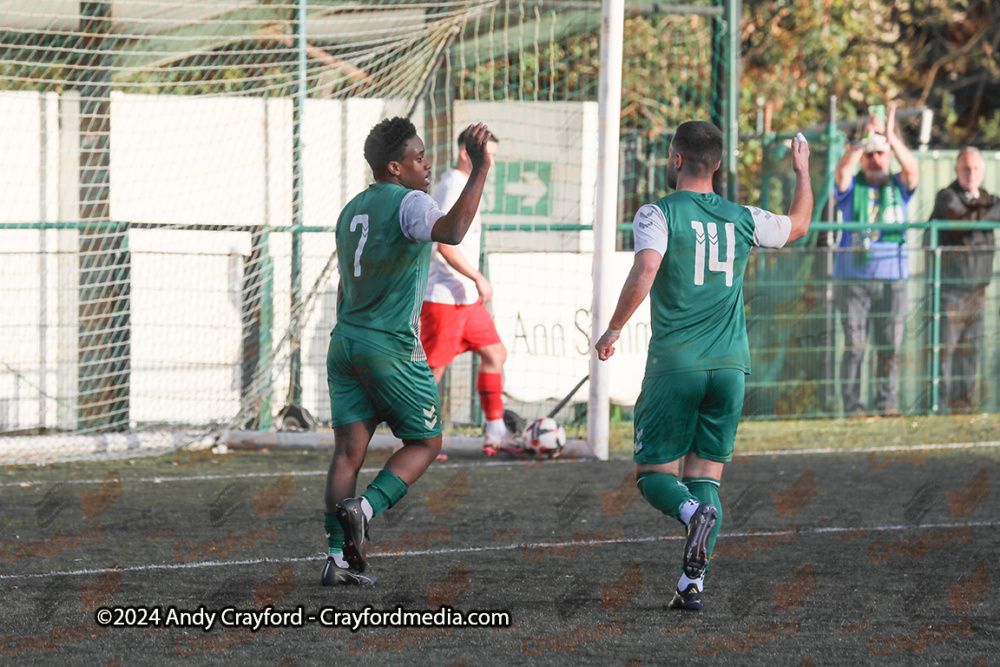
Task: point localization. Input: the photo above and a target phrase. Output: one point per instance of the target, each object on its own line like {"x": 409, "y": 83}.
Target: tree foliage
{"x": 795, "y": 54}
{"x": 666, "y": 72}
{"x": 942, "y": 54}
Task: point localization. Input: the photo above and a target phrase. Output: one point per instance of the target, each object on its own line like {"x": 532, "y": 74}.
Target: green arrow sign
{"x": 522, "y": 188}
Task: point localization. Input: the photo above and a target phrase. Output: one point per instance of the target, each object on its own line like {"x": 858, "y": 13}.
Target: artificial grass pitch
{"x": 833, "y": 558}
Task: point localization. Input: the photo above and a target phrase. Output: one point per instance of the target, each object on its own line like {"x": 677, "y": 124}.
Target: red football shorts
{"x": 447, "y": 330}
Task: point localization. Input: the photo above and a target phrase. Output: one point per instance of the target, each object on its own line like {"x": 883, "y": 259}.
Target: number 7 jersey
{"x": 696, "y": 300}
{"x": 383, "y": 252}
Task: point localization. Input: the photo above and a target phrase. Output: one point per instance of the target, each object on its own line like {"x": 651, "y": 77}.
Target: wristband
{"x": 614, "y": 332}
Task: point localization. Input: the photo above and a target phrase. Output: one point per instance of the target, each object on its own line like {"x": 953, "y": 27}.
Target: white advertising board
{"x": 541, "y": 306}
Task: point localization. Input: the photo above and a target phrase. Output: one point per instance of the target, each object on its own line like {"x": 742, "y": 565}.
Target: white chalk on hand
{"x": 801, "y": 137}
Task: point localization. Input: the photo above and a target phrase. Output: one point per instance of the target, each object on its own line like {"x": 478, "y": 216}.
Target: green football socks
{"x": 385, "y": 491}
{"x": 666, "y": 493}
{"x": 334, "y": 533}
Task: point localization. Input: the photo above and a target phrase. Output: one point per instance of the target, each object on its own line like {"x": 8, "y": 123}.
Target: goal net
{"x": 172, "y": 178}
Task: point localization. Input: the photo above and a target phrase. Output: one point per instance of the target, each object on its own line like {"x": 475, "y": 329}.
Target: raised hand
{"x": 477, "y": 138}
{"x": 875, "y": 125}
{"x": 890, "y": 121}
{"x": 800, "y": 154}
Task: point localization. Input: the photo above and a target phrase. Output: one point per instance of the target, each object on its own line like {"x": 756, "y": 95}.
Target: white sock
{"x": 366, "y": 507}
{"x": 686, "y": 581}
{"x": 496, "y": 429}
{"x": 687, "y": 509}
{"x": 338, "y": 559}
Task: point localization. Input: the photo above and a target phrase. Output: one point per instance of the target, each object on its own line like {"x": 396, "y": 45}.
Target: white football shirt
{"x": 444, "y": 283}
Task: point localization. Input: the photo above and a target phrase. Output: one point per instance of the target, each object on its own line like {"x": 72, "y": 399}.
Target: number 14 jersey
{"x": 696, "y": 300}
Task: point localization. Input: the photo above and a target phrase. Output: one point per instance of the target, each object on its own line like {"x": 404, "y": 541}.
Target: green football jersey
{"x": 696, "y": 301}
{"x": 383, "y": 252}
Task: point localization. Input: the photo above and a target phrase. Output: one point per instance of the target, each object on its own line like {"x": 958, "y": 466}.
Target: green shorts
{"x": 366, "y": 382}
{"x": 695, "y": 412}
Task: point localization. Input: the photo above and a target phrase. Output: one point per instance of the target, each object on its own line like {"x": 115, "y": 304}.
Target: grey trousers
{"x": 961, "y": 340}
{"x": 877, "y": 307}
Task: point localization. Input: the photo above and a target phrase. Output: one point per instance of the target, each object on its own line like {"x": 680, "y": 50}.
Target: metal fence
{"x": 796, "y": 331}
{"x": 193, "y": 370}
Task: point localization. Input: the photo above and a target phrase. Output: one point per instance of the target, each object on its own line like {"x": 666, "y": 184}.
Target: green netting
{"x": 174, "y": 171}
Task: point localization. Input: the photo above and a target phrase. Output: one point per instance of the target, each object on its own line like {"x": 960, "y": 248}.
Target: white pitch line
{"x": 250, "y": 475}
{"x": 495, "y": 548}
{"x": 490, "y": 464}
{"x": 855, "y": 450}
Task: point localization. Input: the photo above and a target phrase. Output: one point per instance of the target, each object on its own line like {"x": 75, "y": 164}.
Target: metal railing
{"x": 793, "y": 322}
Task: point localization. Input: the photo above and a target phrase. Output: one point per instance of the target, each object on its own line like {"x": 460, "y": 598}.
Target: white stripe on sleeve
{"x": 770, "y": 230}
{"x": 650, "y": 229}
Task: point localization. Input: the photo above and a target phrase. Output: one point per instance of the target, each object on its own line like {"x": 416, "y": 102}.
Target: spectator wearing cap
{"x": 966, "y": 271}
{"x": 872, "y": 266}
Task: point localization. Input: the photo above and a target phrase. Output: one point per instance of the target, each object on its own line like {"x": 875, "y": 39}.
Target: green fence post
{"x": 827, "y": 241}
{"x": 936, "y": 322}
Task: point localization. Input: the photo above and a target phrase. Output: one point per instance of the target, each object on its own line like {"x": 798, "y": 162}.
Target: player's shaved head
{"x": 387, "y": 141}
{"x": 700, "y": 144}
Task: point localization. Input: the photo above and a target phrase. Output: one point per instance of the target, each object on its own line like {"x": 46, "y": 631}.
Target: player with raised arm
{"x": 376, "y": 367}
{"x": 691, "y": 249}
{"x": 454, "y": 318}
